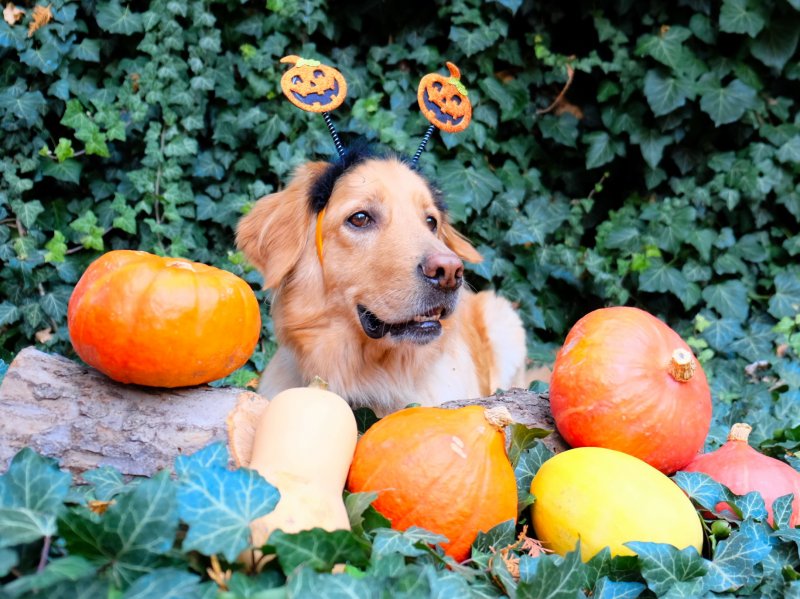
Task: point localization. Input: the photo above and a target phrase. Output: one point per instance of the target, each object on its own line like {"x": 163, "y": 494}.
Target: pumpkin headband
{"x": 316, "y": 87}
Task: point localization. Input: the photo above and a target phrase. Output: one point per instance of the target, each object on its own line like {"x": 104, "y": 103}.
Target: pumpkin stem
{"x": 179, "y": 264}
{"x": 318, "y": 383}
{"x": 682, "y": 365}
{"x": 455, "y": 73}
{"x": 499, "y": 417}
{"x": 740, "y": 432}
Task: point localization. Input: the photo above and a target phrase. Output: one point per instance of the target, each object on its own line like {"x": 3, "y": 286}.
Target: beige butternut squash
{"x": 303, "y": 445}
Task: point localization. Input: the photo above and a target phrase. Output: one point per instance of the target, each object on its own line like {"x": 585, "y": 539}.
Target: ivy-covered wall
{"x": 640, "y": 153}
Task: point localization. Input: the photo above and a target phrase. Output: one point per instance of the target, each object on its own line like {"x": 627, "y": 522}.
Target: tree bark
{"x": 79, "y": 416}
{"x": 84, "y": 419}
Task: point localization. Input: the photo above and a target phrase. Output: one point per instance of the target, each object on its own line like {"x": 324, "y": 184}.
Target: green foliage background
{"x": 669, "y": 180}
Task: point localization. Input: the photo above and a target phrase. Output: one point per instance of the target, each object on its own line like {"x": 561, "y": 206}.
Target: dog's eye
{"x": 432, "y": 224}
{"x": 360, "y": 219}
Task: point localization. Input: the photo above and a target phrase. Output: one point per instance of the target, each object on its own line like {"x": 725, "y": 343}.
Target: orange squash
{"x": 743, "y": 469}
{"x": 163, "y": 322}
{"x": 443, "y": 470}
{"x": 624, "y": 380}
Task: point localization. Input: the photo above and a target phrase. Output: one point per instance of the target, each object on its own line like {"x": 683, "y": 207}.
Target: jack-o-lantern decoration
{"x": 313, "y": 86}
{"x": 443, "y": 100}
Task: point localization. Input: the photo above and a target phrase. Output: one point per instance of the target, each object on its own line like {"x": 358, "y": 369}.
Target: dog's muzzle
{"x": 422, "y": 328}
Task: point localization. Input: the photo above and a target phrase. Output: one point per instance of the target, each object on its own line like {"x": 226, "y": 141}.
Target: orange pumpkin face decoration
{"x": 443, "y": 100}
{"x": 313, "y": 86}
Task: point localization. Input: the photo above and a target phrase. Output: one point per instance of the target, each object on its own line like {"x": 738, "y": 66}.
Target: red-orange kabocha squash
{"x": 624, "y": 380}
{"x": 162, "y": 322}
{"x": 443, "y": 470}
{"x": 743, "y": 469}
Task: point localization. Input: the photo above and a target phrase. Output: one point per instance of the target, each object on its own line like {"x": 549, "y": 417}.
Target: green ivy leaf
{"x": 25, "y": 105}
{"x": 34, "y": 482}
{"x": 499, "y": 536}
{"x": 776, "y": 44}
{"x": 735, "y": 562}
{"x": 562, "y": 129}
{"x": 523, "y": 438}
{"x": 751, "y": 506}
{"x": 611, "y": 589}
{"x": 126, "y": 219}
{"x": 468, "y": 189}
{"x": 722, "y": 332}
{"x": 667, "y": 47}
{"x": 729, "y": 299}
{"x": 662, "y": 278}
{"x": 27, "y": 212}
{"x": 663, "y": 566}
{"x": 727, "y": 104}
{"x": 134, "y": 534}
{"x": 526, "y": 468}
{"x": 86, "y": 129}
{"x": 219, "y": 504}
{"x": 8, "y": 559}
{"x": 170, "y": 583}
{"x": 56, "y": 248}
{"x": 411, "y": 542}
{"x": 741, "y": 16}
{"x": 9, "y": 313}
{"x": 306, "y": 582}
{"x": 64, "y": 149}
{"x": 782, "y": 511}
{"x": 785, "y": 302}
{"x": 92, "y": 237}
{"x": 19, "y": 525}
{"x": 652, "y": 146}
{"x": 44, "y": 58}
{"x": 68, "y": 171}
{"x": 87, "y": 50}
{"x": 319, "y": 549}
{"x": 106, "y": 482}
{"x": 562, "y": 577}
{"x": 701, "y": 488}
{"x": 69, "y": 568}
{"x": 115, "y": 18}
{"x": 472, "y": 41}
{"x": 789, "y": 153}
{"x": 602, "y": 149}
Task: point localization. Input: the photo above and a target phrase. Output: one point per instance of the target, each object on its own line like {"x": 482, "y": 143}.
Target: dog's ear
{"x": 275, "y": 232}
{"x": 459, "y": 244}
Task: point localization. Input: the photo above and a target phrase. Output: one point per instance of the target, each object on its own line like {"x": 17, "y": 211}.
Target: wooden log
{"x": 79, "y": 416}
{"x": 84, "y": 419}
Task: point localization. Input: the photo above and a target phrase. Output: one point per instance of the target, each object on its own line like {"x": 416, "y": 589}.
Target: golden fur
{"x": 315, "y": 305}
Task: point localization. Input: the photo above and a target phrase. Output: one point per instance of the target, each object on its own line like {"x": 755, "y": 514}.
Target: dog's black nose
{"x": 443, "y": 270}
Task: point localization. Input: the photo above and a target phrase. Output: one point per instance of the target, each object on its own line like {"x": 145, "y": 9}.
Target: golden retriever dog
{"x": 368, "y": 289}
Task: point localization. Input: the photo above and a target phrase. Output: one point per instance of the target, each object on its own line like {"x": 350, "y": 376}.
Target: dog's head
{"x": 389, "y": 259}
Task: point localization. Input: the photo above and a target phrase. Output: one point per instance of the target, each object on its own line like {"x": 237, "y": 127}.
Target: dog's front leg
{"x": 280, "y": 374}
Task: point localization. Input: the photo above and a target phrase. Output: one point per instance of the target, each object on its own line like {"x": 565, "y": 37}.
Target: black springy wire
{"x": 332, "y": 130}
{"x": 425, "y": 139}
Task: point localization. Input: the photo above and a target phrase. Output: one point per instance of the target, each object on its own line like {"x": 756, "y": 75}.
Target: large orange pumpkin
{"x": 443, "y": 470}
{"x": 163, "y": 322}
{"x": 624, "y": 380}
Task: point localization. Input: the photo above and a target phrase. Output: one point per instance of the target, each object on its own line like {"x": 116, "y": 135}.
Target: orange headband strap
{"x": 318, "y": 236}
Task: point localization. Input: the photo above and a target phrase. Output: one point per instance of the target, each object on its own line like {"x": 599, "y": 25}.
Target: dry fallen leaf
{"x": 42, "y": 15}
{"x": 44, "y": 335}
{"x": 12, "y": 14}
{"x": 99, "y": 507}
{"x": 524, "y": 544}
{"x": 218, "y": 575}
